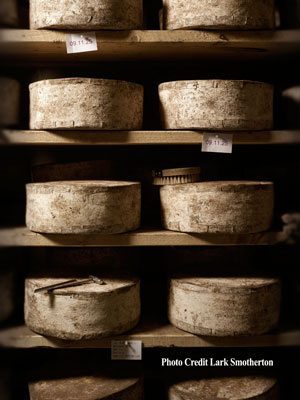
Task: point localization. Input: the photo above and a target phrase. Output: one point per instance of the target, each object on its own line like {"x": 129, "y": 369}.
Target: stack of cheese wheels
{"x": 224, "y": 306}
{"x": 82, "y": 312}
{"x": 83, "y": 207}
{"x": 8, "y": 13}
{"x": 9, "y": 102}
{"x": 226, "y": 14}
{"x": 226, "y": 388}
{"x": 6, "y": 294}
{"x": 216, "y": 105}
{"x": 291, "y": 107}
{"x": 88, "y": 15}
{"x": 225, "y": 207}
{"x": 84, "y": 103}
{"x": 95, "y": 387}
{"x": 97, "y": 169}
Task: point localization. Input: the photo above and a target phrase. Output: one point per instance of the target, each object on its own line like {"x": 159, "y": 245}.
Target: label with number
{"x": 81, "y": 42}
{"x": 126, "y": 350}
{"x": 217, "y": 142}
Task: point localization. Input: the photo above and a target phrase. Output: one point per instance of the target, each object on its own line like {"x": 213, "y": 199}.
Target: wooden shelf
{"x": 21, "y": 236}
{"x": 131, "y": 138}
{"x": 152, "y": 335}
{"x": 36, "y": 46}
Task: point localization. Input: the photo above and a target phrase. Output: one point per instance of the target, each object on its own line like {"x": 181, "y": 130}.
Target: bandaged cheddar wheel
{"x": 216, "y": 105}
{"x": 84, "y": 103}
{"x": 226, "y": 207}
{"x": 82, "y": 312}
{"x": 88, "y": 15}
{"x": 83, "y": 207}
{"x": 224, "y": 306}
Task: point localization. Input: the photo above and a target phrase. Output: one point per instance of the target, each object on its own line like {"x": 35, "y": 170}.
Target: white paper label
{"x": 126, "y": 350}
{"x": 81, "y": 42}
{"x": 217, "y": 143}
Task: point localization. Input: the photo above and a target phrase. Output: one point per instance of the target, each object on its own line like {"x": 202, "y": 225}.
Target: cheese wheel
{"x": 88, "y": 15}
{"x": 82, "y": 312}
{"x": 87, "y": 388}
{"x": 225, "y": 207}
{"x": 291, "y": 107}
{"x": 6, "y": 294}
{"x": 8, "y": 13}
{"x": 216, "y": 104}
{"x": 226, "y": 388}
{"x": 225, "y": 14}
{"x": 83, "y": 207}
{"x": 97, "y": 169}
{"x": 9, "y": 102}
{"x": 224, "y": 306}
{"x": 83, "y": 103}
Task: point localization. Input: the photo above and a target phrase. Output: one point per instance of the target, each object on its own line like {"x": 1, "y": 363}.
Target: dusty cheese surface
{"x": 224, "y": 207}
{"x": 216, "y": 105}
{"x": 83, "y": 206}
{"x": 226, "y": 14}
{"x": 87, "y": 388}
{"x": 82, "y": 312}
{"x": 233, "y": 388}
{"x": 89, "y": 15}
{"x": 85, "y": 103}
{"x": 224, "y": 306}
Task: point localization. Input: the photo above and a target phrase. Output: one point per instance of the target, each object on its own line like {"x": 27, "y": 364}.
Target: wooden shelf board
{"x": 111, "y": 138}
{"x": 44, "y": 45}
{"x": 21, "y": 236}
{"x": 152, "y": 335}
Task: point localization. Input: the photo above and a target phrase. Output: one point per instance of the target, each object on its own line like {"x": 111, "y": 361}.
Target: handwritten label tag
{"x": 217, "y": 142}
{"x": 126, "y": 350}
{"x": 81, "y": 42}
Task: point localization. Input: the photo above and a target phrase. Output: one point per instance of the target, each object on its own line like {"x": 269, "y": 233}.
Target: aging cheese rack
{"x": 29, "y": 47}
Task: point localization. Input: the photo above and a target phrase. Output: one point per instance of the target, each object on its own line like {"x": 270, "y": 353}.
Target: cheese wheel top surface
{"x": 101, "y": 185}
{"x": 224, "y": 185}
{"x": 235, "y": 388}
{"x": 82, "y": 388}
{"x": 225, "y": 283}
{"x": 184, "y": 83}
{"x": 111, "y": 284}
{"x": 94, "y": 81}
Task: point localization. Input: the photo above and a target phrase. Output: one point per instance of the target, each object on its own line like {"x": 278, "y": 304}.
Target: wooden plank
{"x": 21, "y": 236}
{"x": 43, "y": 45}
{"x": 152, "y": 335}
{"x": 131, "y": 138}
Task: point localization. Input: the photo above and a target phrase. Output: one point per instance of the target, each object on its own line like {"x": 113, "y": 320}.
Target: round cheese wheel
{"x": 9, "y": 102}
{"x": 291, "y": 107}
{"x": 6, "y": 294}
{"x": 216, "y": 104}
{"x": 8, "y": 13}
{"x": 82, "y": 312}
{"x": 224, "y": 306}
{"x": 226, "y": 388}
{"x": 83, "y": 103}
{"x": 225, "y": 207}
{"x": 83, "y": 207}
{"x": 88, "y": 15}
{"x": 87, "y": 388}
{"x": 226, "y": 14}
